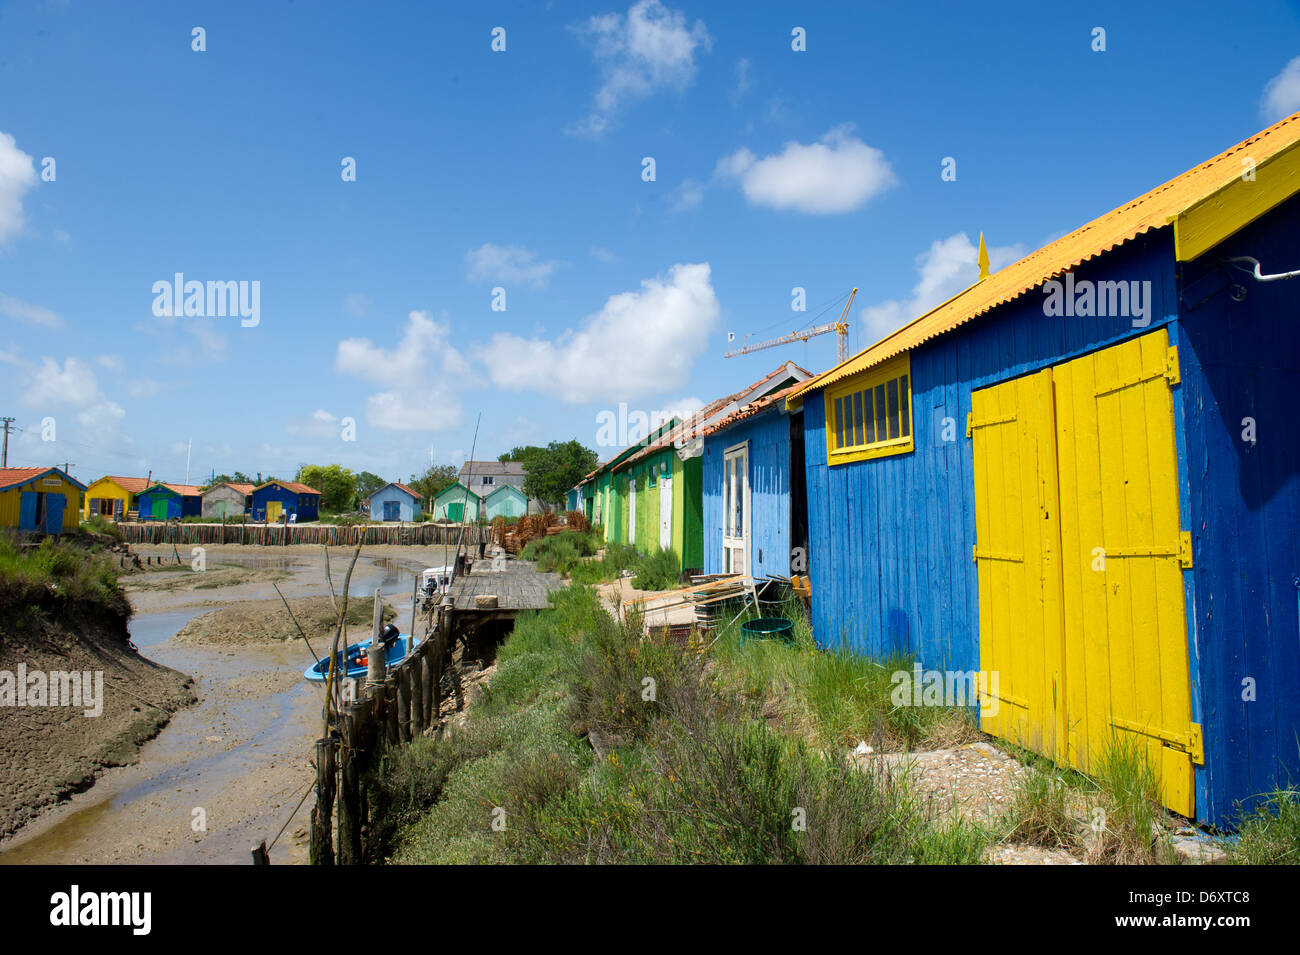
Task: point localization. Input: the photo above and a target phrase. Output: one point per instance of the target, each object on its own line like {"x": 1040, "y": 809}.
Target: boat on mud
{"x": 357, "y": 656}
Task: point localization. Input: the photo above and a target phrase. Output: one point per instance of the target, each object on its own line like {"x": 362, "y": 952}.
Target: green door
{"x": 160, "y": 509}
{"x": 455, "y": 511}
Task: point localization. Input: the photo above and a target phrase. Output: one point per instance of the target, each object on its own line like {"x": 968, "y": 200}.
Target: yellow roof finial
{"x": 984, "y": 259}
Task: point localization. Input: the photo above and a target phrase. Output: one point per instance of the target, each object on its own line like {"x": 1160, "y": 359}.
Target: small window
{"x": 870, "y": 414}
{"x": 650, "y": 478}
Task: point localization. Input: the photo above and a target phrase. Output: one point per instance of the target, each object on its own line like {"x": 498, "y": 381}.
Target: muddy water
{"x": 229, "y": 771}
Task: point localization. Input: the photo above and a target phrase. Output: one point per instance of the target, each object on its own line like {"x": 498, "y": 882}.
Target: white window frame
{"x": 736, "y": 547}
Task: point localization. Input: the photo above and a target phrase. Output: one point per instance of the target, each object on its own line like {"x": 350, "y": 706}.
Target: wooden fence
{"x": 407, "y": 703}
{"x": 281, "y": 535}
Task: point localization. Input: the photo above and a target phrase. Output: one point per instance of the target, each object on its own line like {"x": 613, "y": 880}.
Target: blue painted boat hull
{"x": 396, "y": 654}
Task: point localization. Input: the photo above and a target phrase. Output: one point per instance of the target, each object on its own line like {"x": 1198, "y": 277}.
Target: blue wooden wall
{"x": 768, "y": 434}
{"x": 890, "y": 539}
{"x": 306, "y": 506}
{"x": 1242, "y": 360}
{"x": 409, "y": 509}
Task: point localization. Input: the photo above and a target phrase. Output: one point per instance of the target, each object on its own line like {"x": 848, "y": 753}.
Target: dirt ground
{"x": 229, "y": 770}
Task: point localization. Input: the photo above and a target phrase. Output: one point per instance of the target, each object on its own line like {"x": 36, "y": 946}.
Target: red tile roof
{"x": 12, "y": 477}
{"x": 132, "y": 485}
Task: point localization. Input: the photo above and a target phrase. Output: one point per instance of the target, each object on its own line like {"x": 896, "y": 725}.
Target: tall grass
{"x": 836, "y": 697}
{"x": 596, "y": 743}
{"x": 58, "y": 571}
{"x": 1270, "y": 834}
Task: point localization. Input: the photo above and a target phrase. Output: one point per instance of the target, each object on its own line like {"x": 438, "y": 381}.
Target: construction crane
{"x": 840, "y": 327}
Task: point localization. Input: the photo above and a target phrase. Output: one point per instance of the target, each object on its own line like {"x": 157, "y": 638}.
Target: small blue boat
{"x": 357, "y": 657}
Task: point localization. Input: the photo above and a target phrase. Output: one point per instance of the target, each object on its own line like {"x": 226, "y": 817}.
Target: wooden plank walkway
{"x": 519, "y": 585}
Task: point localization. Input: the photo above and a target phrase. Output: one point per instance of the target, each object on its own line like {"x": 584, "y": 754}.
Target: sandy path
{"x": 228, "y": 771}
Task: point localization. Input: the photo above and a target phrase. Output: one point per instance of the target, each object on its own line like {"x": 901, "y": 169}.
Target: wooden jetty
{"x": 478, "y": 609}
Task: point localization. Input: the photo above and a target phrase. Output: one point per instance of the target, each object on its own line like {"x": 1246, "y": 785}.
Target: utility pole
{"x": 188, "y": 445}
{"x": 4, "y": 459}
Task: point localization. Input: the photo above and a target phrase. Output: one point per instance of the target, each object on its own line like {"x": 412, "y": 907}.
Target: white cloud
{"x": 947, "y": 267}
{"x": 639, "y": 343}
{"x": 508, "y": 263}
{"x": 142, "y": 388}
{"x": 688, "y": 194}
{"x": 28, "y": 313}
{"x": 418, "y": 375}
{"x": 17, "y": 175}
{"x": 744, "y": 78}
{"x": 838, "y": 173}
{"x": 321, "y": 424}
{"x": 51, "y": 387}
{"x": 649, "y": 49}
{"x": 358, "y": 305}
{"x": 1282, "y": 94}
{"x": 602, "y": 254}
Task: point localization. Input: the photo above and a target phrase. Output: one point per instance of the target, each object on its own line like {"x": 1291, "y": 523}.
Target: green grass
{"x": 59, "y": 571}
{"x": 835, "y": 697}
{"x": 1270, "y": 835}
{"x": 595, "y": 743}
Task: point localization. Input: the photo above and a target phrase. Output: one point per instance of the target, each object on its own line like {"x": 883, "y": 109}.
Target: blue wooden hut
{"x": 755, "y": 519}
{"x": 1082, "y": 476}
{"x": 170, "y": 502}
{"x": 285, "y": 500}
{"x": 395, "y": 502}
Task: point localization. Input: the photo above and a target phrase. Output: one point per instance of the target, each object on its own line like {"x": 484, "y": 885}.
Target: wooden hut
{"x": 506, "y": 501}
{"x": 755, "y": 518}
{"x": 285, "y": 500}
{"x": 113, "y": 497}
{"x": 456, "y": 503}
{"x": 1080, "y": 475}
{"x": 395, "y": 502}
{"x": 227, "y": 500}
{"x": 39, "y": 499}
{"x": 170, "y": 502}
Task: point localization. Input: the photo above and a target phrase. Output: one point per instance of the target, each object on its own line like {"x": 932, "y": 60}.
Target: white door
{"x": 735, "y": 510}
{"x": 631, "y": 510}
{"x": 665, "y": 512}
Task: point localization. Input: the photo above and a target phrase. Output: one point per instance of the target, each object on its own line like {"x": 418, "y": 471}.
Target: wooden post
{"x": 322, "y": 846}
{"x": 350, "y": 792}
{"x": 376, "y": 669}
{"x": 415, "y": 676}
{"x": 403, "y": 704}
{"x": 426, "y": 684}
{"x": 260, "y": 856}
{"x": 392, "y": 733}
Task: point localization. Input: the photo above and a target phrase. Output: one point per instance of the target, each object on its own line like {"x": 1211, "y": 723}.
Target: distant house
{"x": 285, "y": 499}
{"x": 112, "y": 497}
{"x": 484, "y": 477}
{"x": 506, "y": 501}
{"x": 395, "y": 502}
{"x": 39, "y": 499}
{"x": 170, "y": 502}
{"x": 228, "y": 499}
{"x": 457, "y": 503}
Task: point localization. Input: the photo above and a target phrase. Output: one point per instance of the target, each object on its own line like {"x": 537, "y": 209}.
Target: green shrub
{"x": 657, "y": 571}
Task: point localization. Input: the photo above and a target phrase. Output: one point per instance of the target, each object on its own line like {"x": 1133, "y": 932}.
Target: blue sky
{"x": 523, "y": 170}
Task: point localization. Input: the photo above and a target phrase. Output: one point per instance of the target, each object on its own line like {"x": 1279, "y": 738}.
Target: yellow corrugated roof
{"x": 1208, "y": 201}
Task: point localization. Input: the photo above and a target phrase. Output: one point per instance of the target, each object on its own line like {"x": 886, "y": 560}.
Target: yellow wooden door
{"x": 1017, "y": 554}
{"x": 273, "y": 511}
{"x": 1127, "y": 672}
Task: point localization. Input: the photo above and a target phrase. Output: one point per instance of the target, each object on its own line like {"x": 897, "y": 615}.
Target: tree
{"x": 367, "y": 484}
{"x": 436, "y": 479}
{"x": 336, "y": 484}
{"x": 551, "y": 471}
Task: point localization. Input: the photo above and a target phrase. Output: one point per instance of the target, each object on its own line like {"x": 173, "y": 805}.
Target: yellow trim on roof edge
{"x": 1206, "y": 223}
